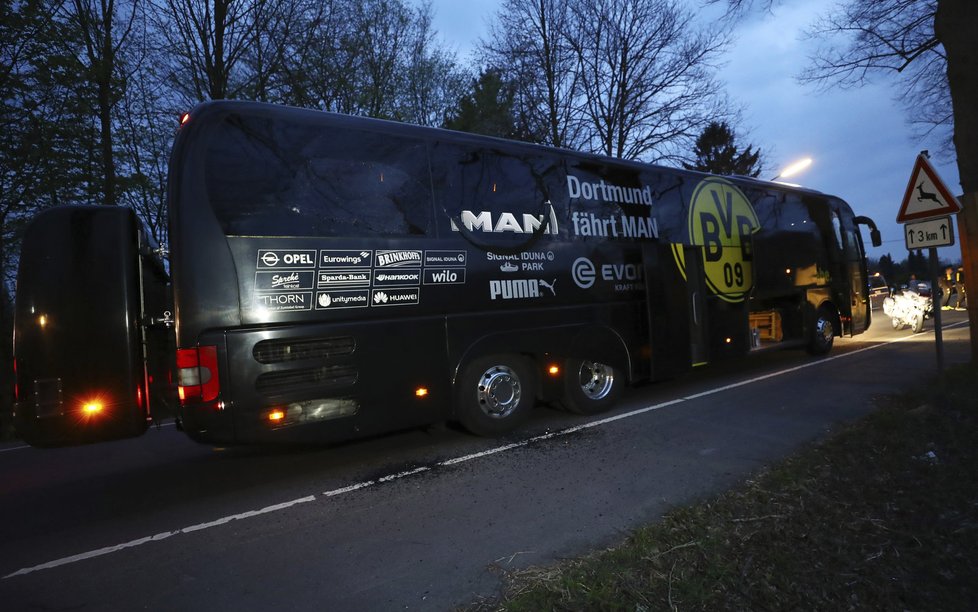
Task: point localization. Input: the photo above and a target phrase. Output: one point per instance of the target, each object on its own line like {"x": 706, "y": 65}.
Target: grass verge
{"x": 881, "y": 515}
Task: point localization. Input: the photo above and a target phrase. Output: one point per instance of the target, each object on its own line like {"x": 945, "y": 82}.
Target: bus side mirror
{"x": 875, "y": 238}
{"x": 874, "y": 232}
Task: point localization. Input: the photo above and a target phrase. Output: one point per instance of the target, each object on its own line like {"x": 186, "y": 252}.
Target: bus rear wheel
{"x": 590, "y": 387}
{"x": 495, "y": 394}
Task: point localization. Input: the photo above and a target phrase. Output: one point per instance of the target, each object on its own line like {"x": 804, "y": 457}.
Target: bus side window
{"x": 264, "y": 179}
{"x": 497, "y": 193}
{"x": 837, "y": 231}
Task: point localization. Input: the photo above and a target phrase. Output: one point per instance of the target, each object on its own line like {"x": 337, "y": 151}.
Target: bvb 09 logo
{"x": 721, "y": 221}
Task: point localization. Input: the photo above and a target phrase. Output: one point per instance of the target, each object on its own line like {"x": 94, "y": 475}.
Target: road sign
{"x": 926, "y": 197}
{"x": 929, "y": 234}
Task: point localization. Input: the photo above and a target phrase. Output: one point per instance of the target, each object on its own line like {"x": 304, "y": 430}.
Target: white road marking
{"x": 448, "y": 462}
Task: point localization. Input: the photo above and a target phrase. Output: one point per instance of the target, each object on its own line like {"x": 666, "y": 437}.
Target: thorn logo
{"x": 270, "y": 259}
{"x": 583, "y": 272}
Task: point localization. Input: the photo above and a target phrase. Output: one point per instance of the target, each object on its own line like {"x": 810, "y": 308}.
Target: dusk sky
{"x": 861, "y": 142}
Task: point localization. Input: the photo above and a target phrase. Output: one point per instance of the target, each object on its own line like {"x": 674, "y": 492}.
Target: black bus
{"x": 335, "y": 277}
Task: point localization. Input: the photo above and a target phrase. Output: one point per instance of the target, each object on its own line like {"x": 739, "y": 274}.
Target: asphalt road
{"x": 419, "y": 520}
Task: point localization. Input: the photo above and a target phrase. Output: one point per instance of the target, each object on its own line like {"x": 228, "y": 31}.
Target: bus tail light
{"x": 197, "y": 374}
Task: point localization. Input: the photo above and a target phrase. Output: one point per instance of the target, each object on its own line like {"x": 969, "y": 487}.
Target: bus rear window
{"x": 287, "y": 180}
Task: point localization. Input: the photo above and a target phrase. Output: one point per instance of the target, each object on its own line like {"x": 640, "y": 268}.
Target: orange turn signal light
{"x": 276, "y": 416}
{"x": 92, "y": 407}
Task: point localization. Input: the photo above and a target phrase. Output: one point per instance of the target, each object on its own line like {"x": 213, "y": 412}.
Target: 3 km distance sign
{"x": 930, "y": 233}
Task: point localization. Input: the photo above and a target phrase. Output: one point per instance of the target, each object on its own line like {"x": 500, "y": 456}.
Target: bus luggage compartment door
{"x": 78, "y": 344}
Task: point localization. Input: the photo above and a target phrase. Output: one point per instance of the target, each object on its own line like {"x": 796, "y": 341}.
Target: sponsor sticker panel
{"x": 284, "y": 302}
{"x": 282, "y": 281}
{"x": 286, "y": 259}
{"x": 398, "y": 259}
{"x": 335, "y": 300}
{"x": 345, "y": 258}
{"x": 454, "y": 259}
{"x": 332, "y": 279}
{"x": 397, "y": 278}
{"x": 444, "y": 276}
{"x": 329, "y": 279}
{"x": 396, "y": 297}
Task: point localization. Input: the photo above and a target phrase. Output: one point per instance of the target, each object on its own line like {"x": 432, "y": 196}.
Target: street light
{"x": 794, "y": 168}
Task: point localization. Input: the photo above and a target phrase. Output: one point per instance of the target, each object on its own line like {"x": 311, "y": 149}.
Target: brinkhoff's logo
{"x": 521, "y": 288}
{"x": 398, "y": 259}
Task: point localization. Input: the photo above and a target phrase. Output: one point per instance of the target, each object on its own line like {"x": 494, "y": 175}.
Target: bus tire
{"x": 495, "y": 394}
{"x": 823, "y": 332}
{"x": 590, "y": 387}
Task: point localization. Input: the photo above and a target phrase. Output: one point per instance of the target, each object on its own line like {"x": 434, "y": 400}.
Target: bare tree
{"x": 104, "y": 30}
{"x": 646, "y": 74}
{"x": 377, "y": 58}
{"x": 224, "y": 48}
{"x": 434, "y": 81}
{"x": 861, "y": 40}
{"x": 145, "y": 137}
{"x": 626, "y": 78}
{"x": 932, "y": 42}
{"x": 527, "y": 46}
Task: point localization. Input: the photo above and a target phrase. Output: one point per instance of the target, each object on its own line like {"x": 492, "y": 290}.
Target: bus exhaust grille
{"x": 326, "y": 377}
{"x": 291, "y": 349}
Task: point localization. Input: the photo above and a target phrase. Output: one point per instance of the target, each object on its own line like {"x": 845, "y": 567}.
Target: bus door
{"x": 856, "y": 277}
{"x": 850, "y": 282}
{"x": 698, "y": 315}
{"x": 677, "y": 309}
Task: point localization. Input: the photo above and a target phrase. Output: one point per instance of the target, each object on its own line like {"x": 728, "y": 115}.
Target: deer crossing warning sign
{"x": 926, "y": 196}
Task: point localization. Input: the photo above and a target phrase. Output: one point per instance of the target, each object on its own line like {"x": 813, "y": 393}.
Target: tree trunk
{"x": 954, "y": 27}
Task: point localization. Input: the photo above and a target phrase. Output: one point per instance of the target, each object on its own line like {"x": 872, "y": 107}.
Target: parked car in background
{"x": 879, "y": 290}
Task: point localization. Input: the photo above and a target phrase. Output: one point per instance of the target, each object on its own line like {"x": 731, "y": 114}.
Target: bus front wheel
{"x": 495, "y": 394}
{"x": 823, "y": 332}
{"x": 590, "y": 387}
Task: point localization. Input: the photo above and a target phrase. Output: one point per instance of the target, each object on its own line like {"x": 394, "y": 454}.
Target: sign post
{"x": 925, "y": 213}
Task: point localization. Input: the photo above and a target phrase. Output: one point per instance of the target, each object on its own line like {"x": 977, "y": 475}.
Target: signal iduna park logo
{"x": 721, "y": 221}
